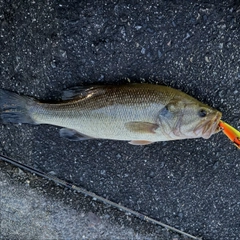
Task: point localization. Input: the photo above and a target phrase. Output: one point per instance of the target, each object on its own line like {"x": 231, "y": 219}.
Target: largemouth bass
{"x": 138, "y": 113}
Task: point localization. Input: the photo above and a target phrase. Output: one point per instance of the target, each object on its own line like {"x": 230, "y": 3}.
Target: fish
{"x": 139, "y": 113}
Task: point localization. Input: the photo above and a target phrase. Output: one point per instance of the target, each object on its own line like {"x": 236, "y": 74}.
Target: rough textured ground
{"x": 193, "y": 185}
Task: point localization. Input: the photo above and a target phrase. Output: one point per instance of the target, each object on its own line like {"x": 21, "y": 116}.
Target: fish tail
{"x": 15, "y": 108}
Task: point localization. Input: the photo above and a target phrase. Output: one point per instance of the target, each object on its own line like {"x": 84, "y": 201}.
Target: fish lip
{"x": 209, "y": 127}
{"x": 218, "y": 118}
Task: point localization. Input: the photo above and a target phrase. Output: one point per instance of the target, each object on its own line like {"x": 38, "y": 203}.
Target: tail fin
{"x": 15, "y": 108}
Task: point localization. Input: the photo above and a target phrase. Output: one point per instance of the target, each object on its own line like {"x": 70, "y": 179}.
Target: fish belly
{"x": 104, "y": 123}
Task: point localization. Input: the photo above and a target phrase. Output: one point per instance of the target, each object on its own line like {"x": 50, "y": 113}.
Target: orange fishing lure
{"x": 232, "y": 133}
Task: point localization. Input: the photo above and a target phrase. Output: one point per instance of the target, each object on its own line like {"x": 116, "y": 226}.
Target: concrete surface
{"x": 32, "y": 212}
{"x": 193, "y": 185}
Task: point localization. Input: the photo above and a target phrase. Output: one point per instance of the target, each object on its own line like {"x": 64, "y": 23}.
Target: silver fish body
{"x": 140, "y": 113}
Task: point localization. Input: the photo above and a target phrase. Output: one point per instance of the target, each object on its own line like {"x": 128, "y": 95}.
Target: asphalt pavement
{"x": 193, "y": 185}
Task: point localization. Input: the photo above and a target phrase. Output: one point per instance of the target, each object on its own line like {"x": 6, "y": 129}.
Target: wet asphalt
{"x": 193, "y": 185}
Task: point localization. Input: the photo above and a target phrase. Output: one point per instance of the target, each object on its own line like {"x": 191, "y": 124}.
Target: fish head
{"x": 188, "y": 118}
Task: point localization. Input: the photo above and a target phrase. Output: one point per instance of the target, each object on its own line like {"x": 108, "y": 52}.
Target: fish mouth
{"x": 210, "y": 126}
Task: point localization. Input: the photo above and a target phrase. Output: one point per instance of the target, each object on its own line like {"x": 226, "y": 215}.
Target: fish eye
{"x": 202, "y": 113}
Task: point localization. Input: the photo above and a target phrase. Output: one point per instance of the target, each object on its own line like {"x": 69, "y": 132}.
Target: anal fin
{"x": 73, "y": 135}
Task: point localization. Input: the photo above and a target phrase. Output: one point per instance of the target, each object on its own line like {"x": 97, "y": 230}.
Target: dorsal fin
{"x": 82, "y": 91}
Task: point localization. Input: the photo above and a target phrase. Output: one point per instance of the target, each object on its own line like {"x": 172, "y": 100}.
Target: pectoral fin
{"x": 73, "y": 135}
{"x": 140, "y": 142}
{"x": 141, "y": 127}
